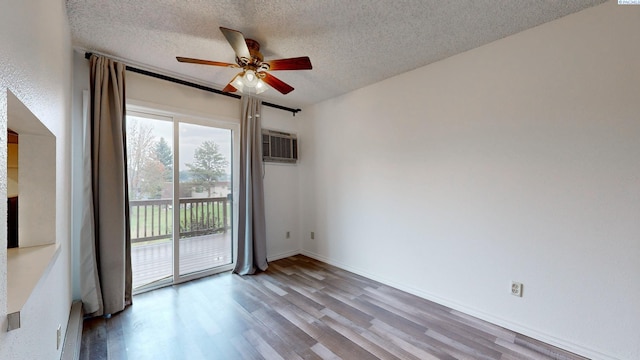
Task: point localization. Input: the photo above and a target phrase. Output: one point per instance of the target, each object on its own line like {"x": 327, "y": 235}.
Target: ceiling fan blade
{"x": 205, "y": 62}
{"x": 299, "y": 63}
{"x": 277, "y": 84}
{"x": 229, "y": 88}
{"x": 237, "y": 42}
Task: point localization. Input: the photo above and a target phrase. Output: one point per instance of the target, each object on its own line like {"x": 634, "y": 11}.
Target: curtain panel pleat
{"x": 252, "y": 238}
{"x": 107, "y": 279}
{"x": 89, "y": 281}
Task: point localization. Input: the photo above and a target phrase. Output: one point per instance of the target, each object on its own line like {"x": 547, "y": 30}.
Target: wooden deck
{"x": 152, "y": 262}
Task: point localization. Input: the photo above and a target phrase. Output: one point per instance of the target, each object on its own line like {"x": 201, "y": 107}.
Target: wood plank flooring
{"x": 299, "y": 309}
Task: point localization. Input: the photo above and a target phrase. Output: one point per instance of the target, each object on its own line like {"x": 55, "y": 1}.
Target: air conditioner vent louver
{"x": 279, "y": 146}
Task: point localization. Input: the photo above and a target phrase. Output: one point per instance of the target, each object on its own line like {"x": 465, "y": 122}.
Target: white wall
{"x": 80, "y": 84}
{"x": 35, "y": 65}
{"x": 518, "y": 160}
{"x": 281, "y": 191}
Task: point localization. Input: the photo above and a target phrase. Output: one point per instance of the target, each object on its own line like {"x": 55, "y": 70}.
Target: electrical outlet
{"x": 313, "y": 235}
{"x": 516, "y": 289}
{"x": 58, "y": 337}
{"x": 288, "y": 234}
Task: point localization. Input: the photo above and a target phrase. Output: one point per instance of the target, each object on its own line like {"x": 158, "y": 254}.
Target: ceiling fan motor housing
{"x": 255, "y": 63}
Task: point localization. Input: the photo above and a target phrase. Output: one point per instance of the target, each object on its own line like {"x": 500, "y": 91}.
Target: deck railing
{"x": 153, "y": 219}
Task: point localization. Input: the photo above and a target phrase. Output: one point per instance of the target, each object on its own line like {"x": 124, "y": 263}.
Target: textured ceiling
{"x": 351, "y": 43}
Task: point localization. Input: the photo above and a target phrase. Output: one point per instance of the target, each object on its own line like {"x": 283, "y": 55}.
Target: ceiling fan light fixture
{"x": 248, "y": 82}
{"x": 261, "y": 86}
{"x": 238, "y": 82}
{"x": 250, "y": 79}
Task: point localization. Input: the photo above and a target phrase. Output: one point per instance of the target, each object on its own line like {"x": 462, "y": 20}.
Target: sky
{"x": 191, "y": 136}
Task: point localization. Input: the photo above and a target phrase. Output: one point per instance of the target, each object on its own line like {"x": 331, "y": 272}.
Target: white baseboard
{"x": 519, "y": 328}
{"x": 283, "y": 255}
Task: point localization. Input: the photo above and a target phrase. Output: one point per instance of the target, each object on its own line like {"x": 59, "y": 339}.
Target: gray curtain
{"x": 252, "y": 237}
{"x": 107, "y": 272}
{"x": 89, "y": 282}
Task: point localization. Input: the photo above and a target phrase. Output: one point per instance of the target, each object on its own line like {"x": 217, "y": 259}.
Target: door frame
{"x": 179, "y": 115}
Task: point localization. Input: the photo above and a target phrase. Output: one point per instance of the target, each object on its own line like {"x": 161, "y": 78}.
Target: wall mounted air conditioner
{"x": 278, "y": 146}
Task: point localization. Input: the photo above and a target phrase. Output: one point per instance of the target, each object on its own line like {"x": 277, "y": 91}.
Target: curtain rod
{"x": 87, "y": 55}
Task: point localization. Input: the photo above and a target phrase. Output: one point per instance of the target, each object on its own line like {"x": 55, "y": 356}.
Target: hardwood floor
{"x": 299, "y": 309}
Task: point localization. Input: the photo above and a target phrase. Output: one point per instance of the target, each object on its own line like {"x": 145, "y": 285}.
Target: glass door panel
{"x": 204, "y": 212}
{"x": 150, "y": 180}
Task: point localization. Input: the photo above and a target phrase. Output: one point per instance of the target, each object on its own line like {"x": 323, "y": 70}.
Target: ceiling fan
{"x": 254, "y": 74}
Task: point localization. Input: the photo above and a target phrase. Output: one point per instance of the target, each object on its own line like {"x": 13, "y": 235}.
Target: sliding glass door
{"x": 150, "y": 174}
{"x": 205, "y": 186}
{"x": 181, "y": 186}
